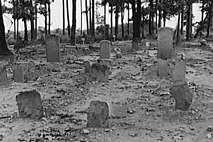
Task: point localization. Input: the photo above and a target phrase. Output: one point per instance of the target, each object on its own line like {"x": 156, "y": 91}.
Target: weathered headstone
{"x": 98, "y": 115}
{"x": 53, "y": 48}
{"x": 99, "y": 72}
{"x": 87, "y": 66}
{"x": 105, "y": 46}
{"x": 165, "y": 43}
{"x": 30, "y": 105}
{"x": 182, "y": 95}
{"x": 18, "y": 73}
{"x": 179, "y": 71}
{"x": 3, "y": 75}
{"x": 162, "y": 68}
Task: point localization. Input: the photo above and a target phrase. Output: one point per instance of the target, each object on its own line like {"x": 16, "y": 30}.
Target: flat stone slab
{"x": 99, "y": 72}
{"x": 53, "y": 48}
{"x": 182, "y": 95}
{"x": 98, "y": 115}
{"x": 30, "y": 104}
{"x": 165, "y": 43}
{"x": 105, "y": 47}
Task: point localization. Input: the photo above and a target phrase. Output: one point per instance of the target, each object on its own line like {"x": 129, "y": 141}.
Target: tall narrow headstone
{"x": 53, "y": 48}
{"x": 3, "y": 75}
{"x": 179, "y": 71}
{"x": 162, "y": 68}
{"x": 165, "y": 43}
{"x": 105, "y": 46}
{"x": 18, "y": 73}
{"x": 30, "y": 105}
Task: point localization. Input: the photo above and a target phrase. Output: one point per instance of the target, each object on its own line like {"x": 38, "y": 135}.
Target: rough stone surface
{"x": 98, "y": 115}
{"x": 179, "y": 71}
{"x": 182, "y": 94}
{"x": 53, "y": 48}
{"x": 162, "y": 68}
{"x": 165, "y": 43}
{"x": 30, "y": 105}
{"x": 3, "y": 75}
{"x": 105, "y": 47}
{"x": 18, "y": 73}
{"x": 87, "y": 66}
{"x": 99, "y": 72}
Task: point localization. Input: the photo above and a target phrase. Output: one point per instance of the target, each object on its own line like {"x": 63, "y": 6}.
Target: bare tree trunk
{"x": 156, "y": 13}
{"x": 93, "y": 18}
{"x": 111, "y": 21}
{"x": 87, "y": 20}
{"x": 14, "y": 19}
{"x": 189, "y": 22}
{"x": 128, "y": 20}
{"x": 182, "y": 21}
{"x": 90, "y": 16}
{"x": 81, "y": 17}
{"x": 116, "y": 21}
{"x": 209, "y": 20}
{"x": 49, "y": 12}
{"x": 68, "y": 18}
{"x": 17, "y": 28}
{"x": 45, "y": 20}
{"x": 63, "y": 9}
{"x": 202, "y": 10}
{"x": 36, "y": 22}
{"x": 105, "y": 21}
{"x": 25, "y": 29}
{"x": 160, "y": 15}
{"x": 73, "y": 22}
{"x": 178, "y": 28}
{"x": 122, "y": 19}
{"x": 32, "y": 22}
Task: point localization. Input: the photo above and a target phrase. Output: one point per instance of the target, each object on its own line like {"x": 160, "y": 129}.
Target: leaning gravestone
{"x": 162, "y": 68}
{"x": 179, "y": 71}
{"x": 18, "y": 73}
{"x": 182, "y": 95}
{"x": 30, "y": 105}
{"x": 98, "y": 115}
{"x": 165, "y": 43}
{"x": 105, "y": 47}
{"x": 53, "y": 48}
{"x": 3, "y": 75}
{"x": 99, "y": 72}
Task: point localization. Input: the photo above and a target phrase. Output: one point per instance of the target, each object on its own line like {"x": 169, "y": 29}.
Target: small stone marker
{"x": 179, "y": 71}
{"x": 182, "y": 94}
{"x": 3, "y": 75}
{"x": 162, "y": 68}
{"x": 98, "y": 115}
{"x": 53, "y": 48}
{"x": 99, "y": 72}
{"x": 30, "y": 105}
{"x": 165, "y": 43}
{"x": 18, "y": 73}
{"x": 87, "y": 66}
{"x": 105, "y": 48}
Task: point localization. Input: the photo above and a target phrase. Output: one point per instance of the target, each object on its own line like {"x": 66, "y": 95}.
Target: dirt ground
{"x": 141, "y": 107}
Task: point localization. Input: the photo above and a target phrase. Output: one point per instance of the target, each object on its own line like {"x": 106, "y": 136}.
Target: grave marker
{"x": 53, "y": 48}
{"x": 30, "y": 105}
{"x": 165, "y": 43}
{"x": 3, "y": 75}
{"x": 179, "y": 71}
{"x": 98, "y": 115}
{"x": 18, "y": 73}
{"x": 105, "y": 48}
{"x": 100, "y": 72}
{"x": 162, "y": 68}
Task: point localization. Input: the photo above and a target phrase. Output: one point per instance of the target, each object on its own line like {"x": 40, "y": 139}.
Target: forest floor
{"x": 141, "y": 107}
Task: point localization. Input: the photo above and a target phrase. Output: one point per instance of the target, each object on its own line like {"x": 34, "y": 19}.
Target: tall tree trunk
{"x": 156, "y": 20}
{"x": 105, "y": 21}
{"x": 116, "y": 20}
{"x": 63, "y": 9}
{"x": 209, "y": 20}
{"x": 90, "y": 17}
{"x": 3, "y": 45}
{"x": 122, "y": 19}
{"x": 68, "y": 18}
{"x": 14, "y": 19}
{"x": 189, "y": 22}
{"x": 128, "y": 20}
{"x": 143, "y": 26}
{"x": 202, "y": 10}
{"x": 182, "y": 21}
{"x": 45, "y": 19}
{"x": 49, "y": 14}
{"x": 160, "y": 15}
{"x": 36, "y": 21}
{"x": 178, "y": 28}
{"x": 81, "y": 18}
{"x": 17, "y": 29}
{"x": 138, "y": 19}
{"x": 73, "y": 22}
{"x": 25, "y": 29}
{"x": 111, "y": 21}
{"x": 151, "y": 18}
{"x": 93, "y": 18}
{"x": 87, "y": 20}
{"x": 134, "y": 19}
{"x": 32, "y": 22}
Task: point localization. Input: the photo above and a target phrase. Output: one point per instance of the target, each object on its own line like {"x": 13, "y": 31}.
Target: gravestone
{"x": 162, "y": 68}
{"x": 179, "y": 71}
{"x": 53, "y": 48}
{"x": 30, "y": 105}
{"x": 182, "y": 95}
{"x": 99, "y": 72}
{"x": 3, "y": 75}
{"x": 98, "y": 115}
{"x": 87, "y": 66}
{"x": 18, "y": 73}
{"x": 165, "y": 43}
{"x": 105, "y": 47}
